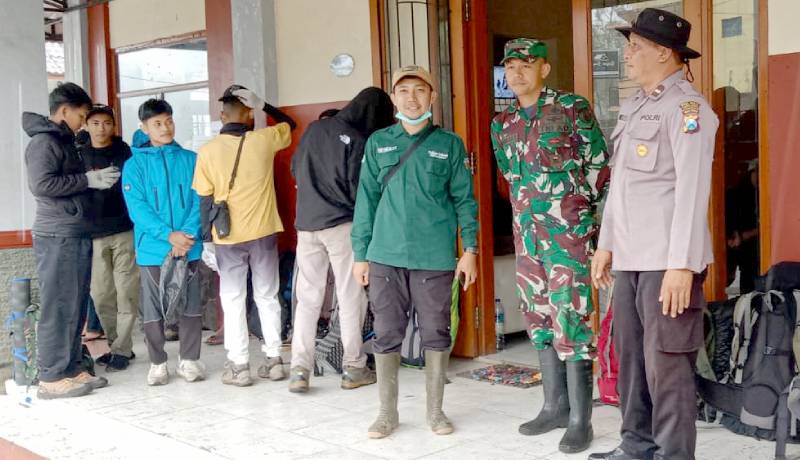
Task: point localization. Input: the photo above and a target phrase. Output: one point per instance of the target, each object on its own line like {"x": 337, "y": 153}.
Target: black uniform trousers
{"x": 64, "y": 267}
{"x": 393, "y": 290}
{"x": 656, "y": 356}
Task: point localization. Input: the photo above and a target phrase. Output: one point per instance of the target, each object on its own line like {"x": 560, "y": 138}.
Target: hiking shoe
{"x": 237, "y": 374}
{"x": 298, "y": 380}
{"x": 117, "y": 363}
{"x": 64, "y": 388}
{"x": 171, "y": 333}
{"x": 191, "y": 370}
{"x": 88, "y": 379}
{"x": 158, "y": 375}
{"x": 272, "y": 369}
{"x": 354, "y": 377}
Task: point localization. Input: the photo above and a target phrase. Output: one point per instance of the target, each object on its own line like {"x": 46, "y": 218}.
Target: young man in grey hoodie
{"x": 62, "y": 241}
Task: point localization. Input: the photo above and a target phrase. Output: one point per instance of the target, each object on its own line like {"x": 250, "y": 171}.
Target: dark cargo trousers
{"x": 656, "y": 356}
{"x": 64, "y": 268}
{"x": 393, "y": 290}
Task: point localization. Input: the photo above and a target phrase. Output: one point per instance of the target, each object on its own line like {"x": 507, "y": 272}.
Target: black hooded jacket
{"x": 108, "y": 206}
{"x": 56, "y": 178}
{"x": 327, "y": 163}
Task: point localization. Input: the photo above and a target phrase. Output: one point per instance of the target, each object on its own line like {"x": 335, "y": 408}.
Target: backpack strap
{"x": 236, "y": 164}
{"x": 796, "y": 336}
{"x": 744, "y": 318}
{"x": 407, "y": 154}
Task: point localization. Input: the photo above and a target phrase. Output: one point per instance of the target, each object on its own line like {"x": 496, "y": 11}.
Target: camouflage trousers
{"x": 555, "y": 294}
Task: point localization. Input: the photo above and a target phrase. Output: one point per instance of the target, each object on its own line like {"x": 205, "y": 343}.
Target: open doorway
{"x": 508, "y": 19}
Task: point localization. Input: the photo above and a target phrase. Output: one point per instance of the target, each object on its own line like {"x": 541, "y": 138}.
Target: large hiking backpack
{"x": 752, "y": 395}
{"x": 761, "y": 363}
{"x": 22, "y": 324}
{"x": 607, "y": 360}
{"x": 411, "y": 352}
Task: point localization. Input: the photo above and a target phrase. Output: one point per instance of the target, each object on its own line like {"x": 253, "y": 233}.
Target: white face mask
{"x": 414, "y": 121}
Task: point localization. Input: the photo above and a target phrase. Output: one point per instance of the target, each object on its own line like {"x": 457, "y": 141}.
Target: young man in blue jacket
{"x": 157, "y": 185}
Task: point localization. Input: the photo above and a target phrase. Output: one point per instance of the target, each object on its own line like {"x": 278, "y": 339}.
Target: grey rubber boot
{"x": 386, "y": 366}
{"x": 435, "y": 378}
{"x": 555, "y": 410}
{"x": 579, "y": 387}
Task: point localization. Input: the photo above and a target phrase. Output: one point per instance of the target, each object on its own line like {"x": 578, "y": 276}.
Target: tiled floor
{"x": 207, "y": 420}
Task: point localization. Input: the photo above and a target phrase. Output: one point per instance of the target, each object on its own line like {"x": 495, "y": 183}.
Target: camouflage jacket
{"x": 556, "y": 163}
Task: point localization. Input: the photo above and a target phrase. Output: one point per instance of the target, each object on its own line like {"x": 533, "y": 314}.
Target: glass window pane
{"x": 735, "y": 100}
{"x": 611, "y": 85}
{"x": 129, "y": 115}
{"x": 189, "y": 110}
{"x": 192, "y": 120}
{"x": 163, "y": 66}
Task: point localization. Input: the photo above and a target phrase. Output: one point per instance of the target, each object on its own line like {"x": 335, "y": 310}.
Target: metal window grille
{"x": 417, "y": 32}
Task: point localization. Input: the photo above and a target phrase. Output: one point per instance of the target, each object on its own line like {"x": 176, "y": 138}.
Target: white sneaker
{"x": 191, "y": 370}
{"x": 158, "y": 375}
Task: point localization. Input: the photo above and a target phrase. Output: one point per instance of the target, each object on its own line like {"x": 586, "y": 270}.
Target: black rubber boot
{"x": 579, "y": 388}
{"x": 555, "y": 410}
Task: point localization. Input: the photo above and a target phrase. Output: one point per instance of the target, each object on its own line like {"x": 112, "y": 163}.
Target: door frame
{"x": 471, "y": 86}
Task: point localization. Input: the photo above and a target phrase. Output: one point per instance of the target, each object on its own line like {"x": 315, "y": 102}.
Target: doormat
{"x": 505, "y": 374}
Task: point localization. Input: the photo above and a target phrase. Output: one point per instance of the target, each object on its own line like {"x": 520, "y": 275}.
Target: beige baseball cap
{"x": 412, "y": 71}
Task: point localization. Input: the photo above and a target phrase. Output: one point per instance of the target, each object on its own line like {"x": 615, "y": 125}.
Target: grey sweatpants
{"x": 190, "y": 322}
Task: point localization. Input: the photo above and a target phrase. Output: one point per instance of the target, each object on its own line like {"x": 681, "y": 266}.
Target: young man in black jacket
{"x": 115, "y": 276}
{"x": 62, "y": 241}
{"x": 326, "y": 167}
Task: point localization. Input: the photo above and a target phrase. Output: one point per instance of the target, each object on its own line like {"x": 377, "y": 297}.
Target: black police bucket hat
{"x": 665, "y": 28}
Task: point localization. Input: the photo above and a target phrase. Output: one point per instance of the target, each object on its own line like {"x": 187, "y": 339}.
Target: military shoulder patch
{"x": 691, "y": 116}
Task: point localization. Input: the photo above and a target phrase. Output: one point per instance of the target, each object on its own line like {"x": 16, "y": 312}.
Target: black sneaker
{"x": 117, "y": 363}
{"x": 104, "y": 359}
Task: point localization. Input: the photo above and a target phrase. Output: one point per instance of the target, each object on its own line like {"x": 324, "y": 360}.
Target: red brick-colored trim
{"x": 285, "y": 190}
{"x": 219, "y": 37}
{"x": 784, "y": 115}
{"x": 10, "y": 450}
{"x": 101, "y": 57}
{"x": 15, "y": 239}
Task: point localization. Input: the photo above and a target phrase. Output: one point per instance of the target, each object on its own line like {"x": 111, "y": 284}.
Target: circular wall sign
{"x": 342, "y": 65}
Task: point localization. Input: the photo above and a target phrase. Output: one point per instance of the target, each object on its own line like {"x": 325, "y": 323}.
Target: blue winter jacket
{"x": 157, "y": 185}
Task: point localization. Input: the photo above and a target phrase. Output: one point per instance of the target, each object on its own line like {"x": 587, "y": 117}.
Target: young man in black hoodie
{"x": 115, "y": 276}
{"x": 326, "y": 167}
{"x": 62, "y": 241}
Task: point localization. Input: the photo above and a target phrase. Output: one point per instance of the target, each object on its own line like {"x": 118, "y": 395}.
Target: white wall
{"x": 309, "y": 33}
{"x": 23, "y": 87}
{"x": 782, "y": 28}
{"x": 138, "y": 21}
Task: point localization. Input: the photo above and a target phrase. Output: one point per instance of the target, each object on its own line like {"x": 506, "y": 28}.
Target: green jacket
{"x": 412, "y": 223}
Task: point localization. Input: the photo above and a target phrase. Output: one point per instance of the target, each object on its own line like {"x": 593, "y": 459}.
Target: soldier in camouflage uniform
{"x": 550, "y": 149}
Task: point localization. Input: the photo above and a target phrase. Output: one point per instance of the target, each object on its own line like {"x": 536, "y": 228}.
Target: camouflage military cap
{"x": 524, "y": 48}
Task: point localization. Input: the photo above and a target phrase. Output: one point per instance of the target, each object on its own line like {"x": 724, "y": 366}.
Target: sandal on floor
{"x": 215, "y": 339}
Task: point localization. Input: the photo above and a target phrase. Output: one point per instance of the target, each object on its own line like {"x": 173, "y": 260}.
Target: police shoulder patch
{"x": 691, "y": 116}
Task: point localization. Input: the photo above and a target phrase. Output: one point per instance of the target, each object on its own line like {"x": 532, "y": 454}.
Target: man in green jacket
{"x": 415, "y": 191}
